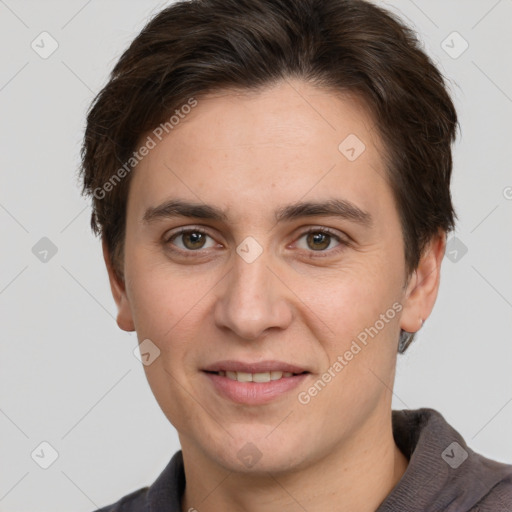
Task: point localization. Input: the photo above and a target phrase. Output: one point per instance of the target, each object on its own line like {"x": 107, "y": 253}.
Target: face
{"x": 262, "y": 232}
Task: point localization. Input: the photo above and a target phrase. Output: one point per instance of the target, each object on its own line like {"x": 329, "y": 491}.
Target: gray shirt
{"x": 443, "y": 475}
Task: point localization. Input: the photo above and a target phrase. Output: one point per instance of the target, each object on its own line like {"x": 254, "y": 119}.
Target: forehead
{"x": 246, "y": 150}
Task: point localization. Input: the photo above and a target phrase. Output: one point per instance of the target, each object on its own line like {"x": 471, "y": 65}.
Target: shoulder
{"x": 133, "y": 502}
{"x": 444, "y": 473}
{"x": 163, "y": 494}
{"x": 498, "y": 499}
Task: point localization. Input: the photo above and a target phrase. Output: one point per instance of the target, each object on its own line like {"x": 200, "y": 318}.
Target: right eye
{"x": 191, "y": 239}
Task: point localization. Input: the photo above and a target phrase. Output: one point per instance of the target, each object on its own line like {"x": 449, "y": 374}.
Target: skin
{"x": 249, "y": 154}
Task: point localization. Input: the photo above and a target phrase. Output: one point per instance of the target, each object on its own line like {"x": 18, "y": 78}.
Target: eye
{"x": 320, "y": 239}
{"x": 191, "y": 239}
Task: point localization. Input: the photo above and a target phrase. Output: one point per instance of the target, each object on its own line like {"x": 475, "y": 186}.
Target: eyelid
{"x": 343, "y": 240}
{"x": 168, "y": 238}
{"x": 184, "y": 229}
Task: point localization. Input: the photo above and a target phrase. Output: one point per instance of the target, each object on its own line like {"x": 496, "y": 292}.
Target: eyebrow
{"x": 331, "y": 208}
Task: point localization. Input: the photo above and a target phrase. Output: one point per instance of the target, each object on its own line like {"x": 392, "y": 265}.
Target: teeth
{"x": 243, "y": 377}
{"x": 255, "y": 377}
{"x": 261, "y": 377}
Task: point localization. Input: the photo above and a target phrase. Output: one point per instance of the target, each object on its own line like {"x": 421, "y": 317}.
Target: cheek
{"x": 165, "y": 310}
{"x": 160, "y": 299}
{"x": 353, "y": 318}
{"x": 170, "y": 306}
{"x": 357, "y": 340}
{"x": 345, "y": 300}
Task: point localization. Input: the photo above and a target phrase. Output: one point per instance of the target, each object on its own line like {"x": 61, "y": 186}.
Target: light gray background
{"x": 68, "y": 375}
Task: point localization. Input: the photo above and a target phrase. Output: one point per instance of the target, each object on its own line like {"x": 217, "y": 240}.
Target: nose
{"x": 253, "y": 299}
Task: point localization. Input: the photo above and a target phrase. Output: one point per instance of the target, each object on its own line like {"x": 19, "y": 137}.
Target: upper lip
{"x": 256, "y": 367}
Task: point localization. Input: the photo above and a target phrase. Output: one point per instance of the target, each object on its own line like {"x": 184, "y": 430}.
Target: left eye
{"x": 319, "y": 240}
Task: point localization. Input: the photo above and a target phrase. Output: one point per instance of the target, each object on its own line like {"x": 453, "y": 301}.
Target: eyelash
{"x": 326, "y": 231}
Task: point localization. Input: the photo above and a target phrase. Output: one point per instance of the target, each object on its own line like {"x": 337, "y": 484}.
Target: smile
{"x": 253, "y": 388}
{"x": 255, "y": 377}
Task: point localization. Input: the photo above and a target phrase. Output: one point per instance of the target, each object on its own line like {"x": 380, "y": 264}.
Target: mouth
{"x": 255, "y": 377}
{"x": 254, "y": 383}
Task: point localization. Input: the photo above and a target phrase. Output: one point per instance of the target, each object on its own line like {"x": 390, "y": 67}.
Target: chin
{"x": 254, "y": 449}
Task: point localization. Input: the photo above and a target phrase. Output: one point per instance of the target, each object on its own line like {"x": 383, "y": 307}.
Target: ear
{"x": 124, "y": 313}
{"x": 423, "y": 285}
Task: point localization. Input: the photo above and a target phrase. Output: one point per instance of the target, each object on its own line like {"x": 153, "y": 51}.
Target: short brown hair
{"x": 194, "y": 47}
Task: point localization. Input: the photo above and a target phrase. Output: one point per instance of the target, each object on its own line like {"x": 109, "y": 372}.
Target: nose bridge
{"x": 253, "y": 299}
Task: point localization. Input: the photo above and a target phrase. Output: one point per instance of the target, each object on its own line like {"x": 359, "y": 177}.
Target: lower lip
{"x": 254, "y": 393}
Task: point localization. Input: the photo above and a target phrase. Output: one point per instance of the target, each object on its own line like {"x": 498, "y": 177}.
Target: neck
{"x": 356, "y": 476}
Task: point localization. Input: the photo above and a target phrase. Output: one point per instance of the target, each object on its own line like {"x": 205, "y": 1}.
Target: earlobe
{"x": 118, "y": 288}
{"x": 423, "y": 286}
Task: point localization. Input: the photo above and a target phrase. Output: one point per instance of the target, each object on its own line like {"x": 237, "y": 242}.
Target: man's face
{"x": 249, "y": 288}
